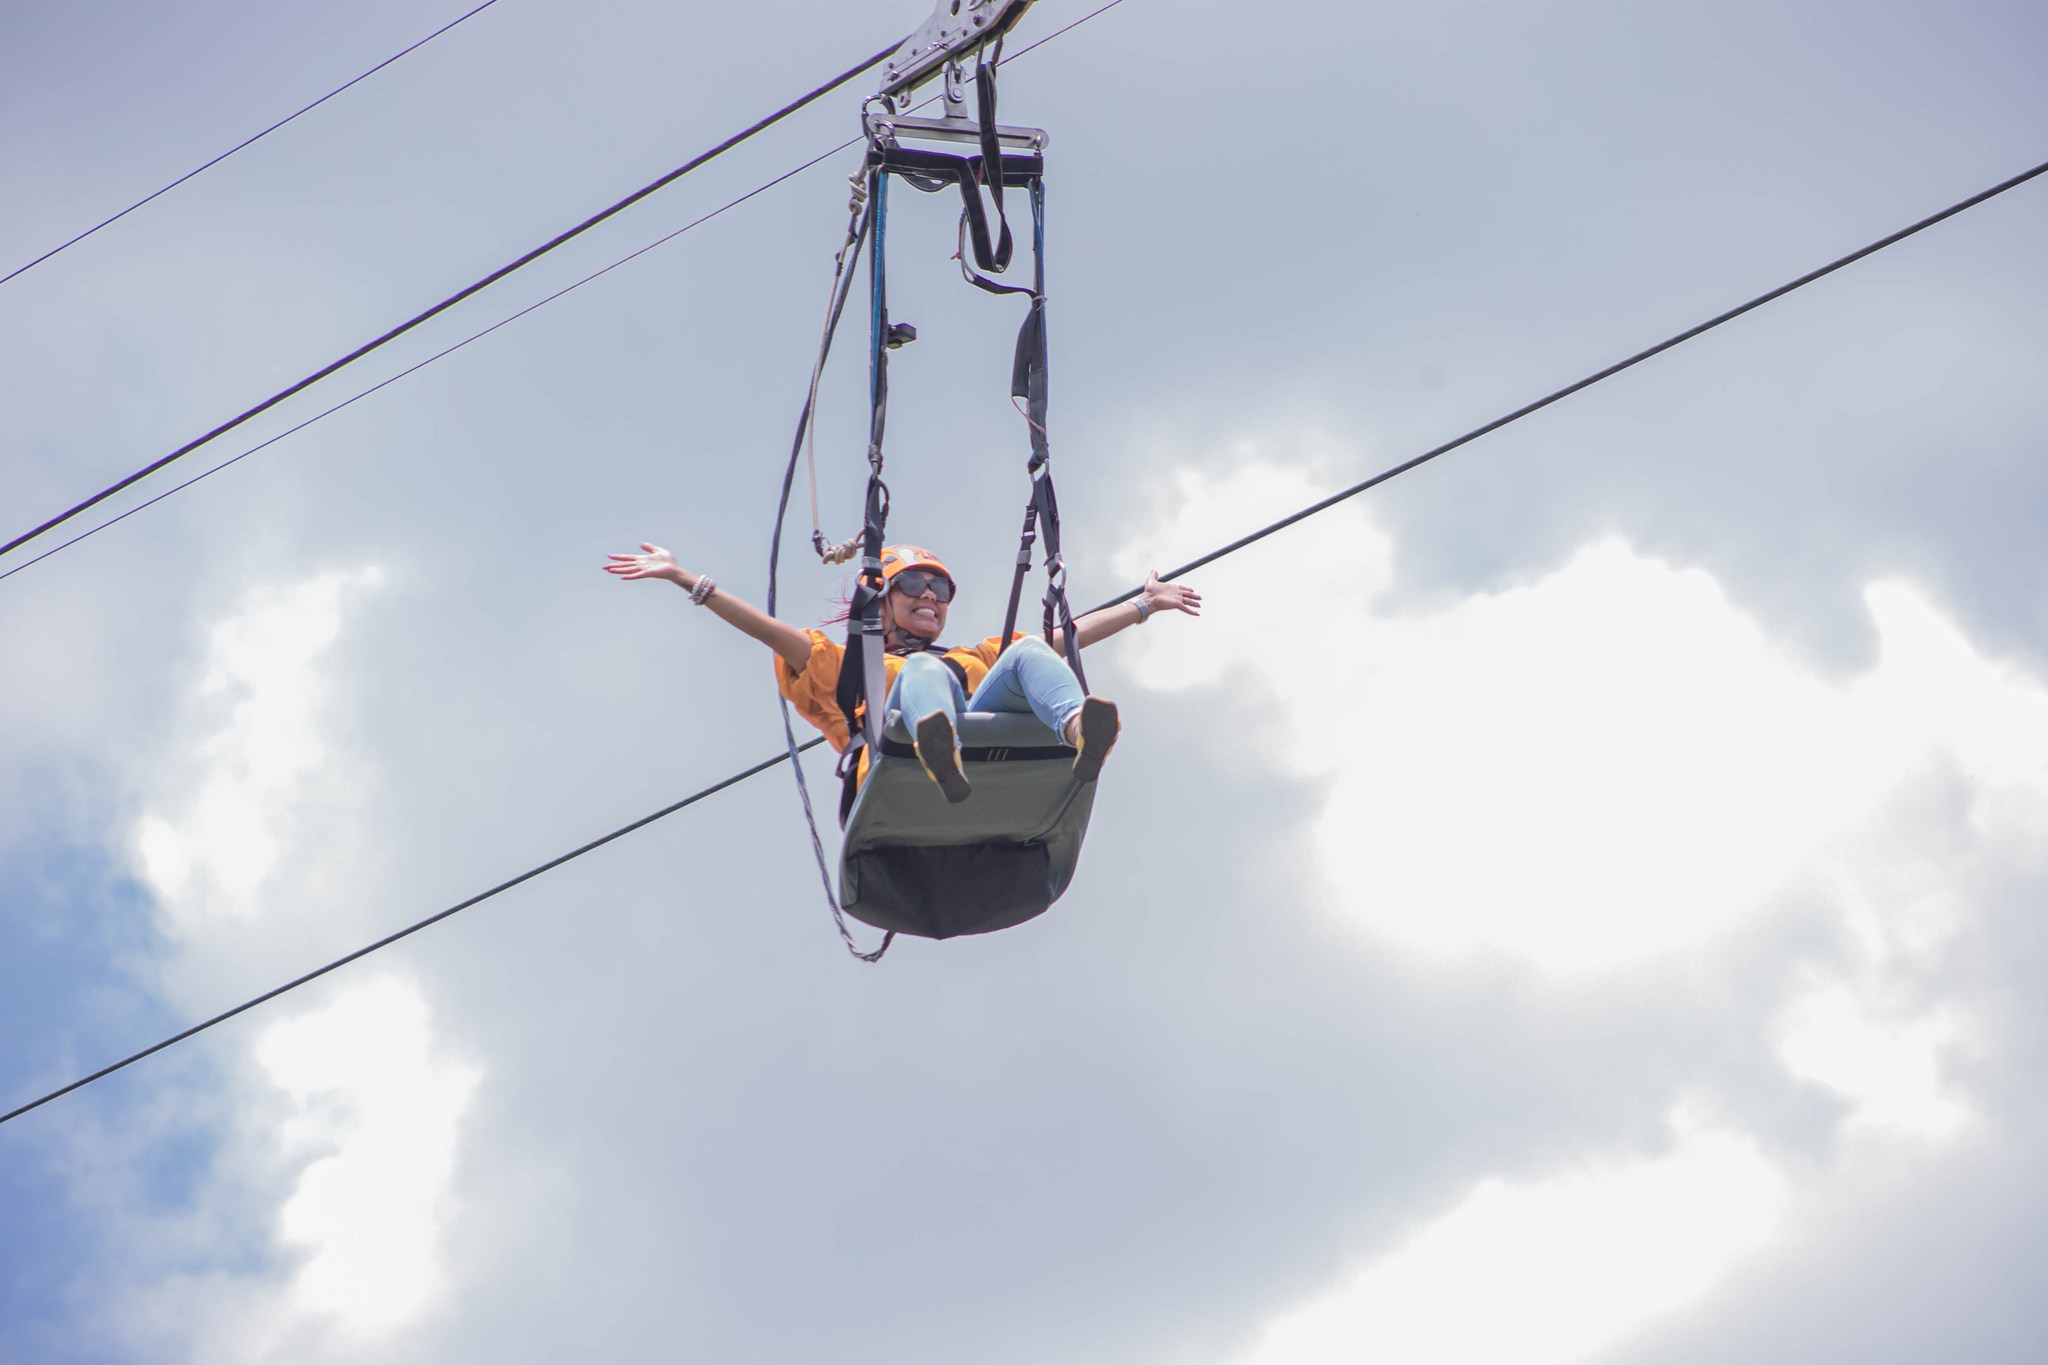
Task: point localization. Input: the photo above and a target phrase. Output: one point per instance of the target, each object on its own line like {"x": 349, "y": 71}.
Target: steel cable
{"x": 478, "y": 336}
{"x": 1238, "y": 544}
{"x": 406, "y": 932}
{"x": 457, "y": 297}
{"x": 245, "y": 142}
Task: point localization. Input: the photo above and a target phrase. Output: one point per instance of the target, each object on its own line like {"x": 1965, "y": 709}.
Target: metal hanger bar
{"x": 964, "y": 130}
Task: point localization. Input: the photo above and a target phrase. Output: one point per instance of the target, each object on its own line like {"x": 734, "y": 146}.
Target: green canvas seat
{"x": 918, "y": 864}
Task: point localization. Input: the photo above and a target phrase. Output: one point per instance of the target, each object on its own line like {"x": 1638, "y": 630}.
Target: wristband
{"x": 706, "y": 585}
{"x": 1144, "y": 609}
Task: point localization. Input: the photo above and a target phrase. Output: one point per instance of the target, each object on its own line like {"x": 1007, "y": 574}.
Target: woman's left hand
{"x": 1171, "y": 596}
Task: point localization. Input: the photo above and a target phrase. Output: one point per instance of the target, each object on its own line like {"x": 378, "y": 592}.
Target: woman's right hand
{"x": 653, "y": 562}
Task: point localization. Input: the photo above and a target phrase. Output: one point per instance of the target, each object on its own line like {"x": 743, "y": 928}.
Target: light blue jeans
{"x": 1030, "y": 676}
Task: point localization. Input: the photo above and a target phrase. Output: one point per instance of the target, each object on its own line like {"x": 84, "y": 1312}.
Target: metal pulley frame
{"x": 957, "y": 31}
{"x": 883, "y": 124}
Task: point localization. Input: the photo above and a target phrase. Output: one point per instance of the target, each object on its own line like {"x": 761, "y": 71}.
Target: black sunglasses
{"x": 913, "y": 582}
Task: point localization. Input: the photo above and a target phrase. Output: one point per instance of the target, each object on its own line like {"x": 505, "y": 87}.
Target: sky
{"x": 1578, "y": 903}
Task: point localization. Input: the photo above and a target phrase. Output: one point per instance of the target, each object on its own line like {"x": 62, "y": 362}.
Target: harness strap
{"x": 973, "y": 172}
{"x": 998, "y": 260}
{"x": 1029, "y": 379}
{"x": 932, "y": 171}
{"x": 862, "y": 680}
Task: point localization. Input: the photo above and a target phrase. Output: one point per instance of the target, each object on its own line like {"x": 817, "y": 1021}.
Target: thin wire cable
{"x": 1568, "y": 390}
{"x": 421, "y": 365}
{"x": 1235, "y": 545}
{"x": 246, "y": 142}
{"x": 406, "y": 932}
{"x": 790, "y": 754}
{"x": 767, "y": 763}
{"x": 465, "y": 292}
{"x": 328, "y": 412}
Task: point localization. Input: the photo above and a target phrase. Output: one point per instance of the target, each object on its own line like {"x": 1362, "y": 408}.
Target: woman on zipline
{"x": 931, "y": 683}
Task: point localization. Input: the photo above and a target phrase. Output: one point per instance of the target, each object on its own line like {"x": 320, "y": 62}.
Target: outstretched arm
{"x": 654, "y": 562}
{"x": 1155, "y": 595}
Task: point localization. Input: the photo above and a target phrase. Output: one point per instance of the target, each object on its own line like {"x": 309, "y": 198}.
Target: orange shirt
{"x": 814, "y": 692}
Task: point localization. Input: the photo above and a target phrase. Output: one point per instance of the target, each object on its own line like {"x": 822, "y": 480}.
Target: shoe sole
{"x": 936, "y": 740}
{"x": 1098, "y": 734}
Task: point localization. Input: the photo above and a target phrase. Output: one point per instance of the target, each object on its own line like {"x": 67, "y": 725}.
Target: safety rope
{"x": 863, "y": 220}
{"x": 842, "y": 274}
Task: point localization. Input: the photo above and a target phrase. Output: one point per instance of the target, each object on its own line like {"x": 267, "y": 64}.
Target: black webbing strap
{"x": 1059, "y": 616}
{"x": 930, "y": 171}
{"x": 1029, "y": 377}
{"x": 1023, "y": 568}
{"x": 862, "y": 686}
{"x": 994, "y": 259}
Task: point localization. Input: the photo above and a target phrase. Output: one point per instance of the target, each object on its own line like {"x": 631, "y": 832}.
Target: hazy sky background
{"x": 1579, "y": 903}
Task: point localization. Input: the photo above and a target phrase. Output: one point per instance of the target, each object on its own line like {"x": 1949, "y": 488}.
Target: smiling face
{"x": 923, "y": 615}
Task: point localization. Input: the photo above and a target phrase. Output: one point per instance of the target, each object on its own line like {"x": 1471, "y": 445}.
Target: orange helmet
{"x": 897, "y": 558}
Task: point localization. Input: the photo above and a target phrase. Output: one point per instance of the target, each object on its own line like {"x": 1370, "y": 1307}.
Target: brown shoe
{"x": 1099, "y": 728}
{"x": 938, "y": 749}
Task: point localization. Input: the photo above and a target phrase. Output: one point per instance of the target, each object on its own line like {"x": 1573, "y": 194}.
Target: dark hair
{"x": 842, "y": 604}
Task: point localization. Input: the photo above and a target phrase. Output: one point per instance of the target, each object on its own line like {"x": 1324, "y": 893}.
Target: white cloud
{"x": 1551, "y": 1272}
{"x": 207, "y": 849}
{"x": 1599, "y": 769}
{"x": 351, "y": 1117}
{"x": 1592, "y": 770}
{"x": 383, "y": 1114}
{"x": 1887, "y": 1067}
